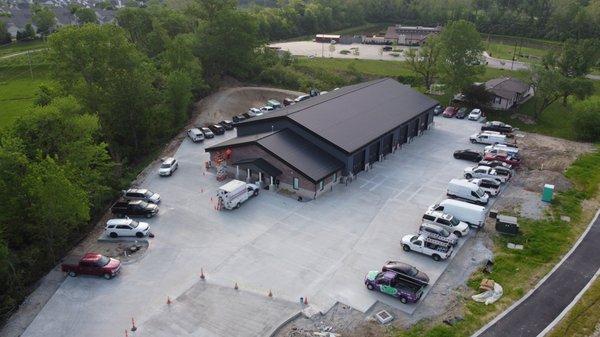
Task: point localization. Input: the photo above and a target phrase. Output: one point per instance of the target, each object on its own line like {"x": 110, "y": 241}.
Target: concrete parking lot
{"x": 321, "y": 249}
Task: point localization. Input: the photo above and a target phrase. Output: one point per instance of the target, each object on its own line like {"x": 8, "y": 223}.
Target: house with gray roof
{"x": 508, "y": 92}
{"x": 310, "y": 146}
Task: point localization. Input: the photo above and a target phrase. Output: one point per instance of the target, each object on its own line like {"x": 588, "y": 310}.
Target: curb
{"x": 541, "y": 282}
{"x": 286, "y": 321}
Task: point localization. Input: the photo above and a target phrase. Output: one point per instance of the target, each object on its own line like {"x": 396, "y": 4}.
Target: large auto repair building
{"x": 310, "y": 146}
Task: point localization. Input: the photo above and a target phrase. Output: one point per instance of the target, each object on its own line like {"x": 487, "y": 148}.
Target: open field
{"x": 524, "y": 49}
{"x": 20, "y": 78}
{"x": 18, "y": 47}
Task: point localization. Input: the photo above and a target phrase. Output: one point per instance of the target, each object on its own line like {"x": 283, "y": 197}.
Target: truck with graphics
{"x": 390, "y": 283}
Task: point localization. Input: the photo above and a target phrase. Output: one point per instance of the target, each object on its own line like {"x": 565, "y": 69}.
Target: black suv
{"x": 217, "y": 129}
{"x": 228, "y": 125}
{"x": 468, "y": 154}
{"x": 497, "y": 126}
{"x": 134, "y": 208}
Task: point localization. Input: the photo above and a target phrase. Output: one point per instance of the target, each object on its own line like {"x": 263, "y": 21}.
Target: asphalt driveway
{"x": 537, "y": 311}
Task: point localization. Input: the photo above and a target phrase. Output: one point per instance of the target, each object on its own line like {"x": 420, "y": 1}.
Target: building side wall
{"x": 307, "y": 189}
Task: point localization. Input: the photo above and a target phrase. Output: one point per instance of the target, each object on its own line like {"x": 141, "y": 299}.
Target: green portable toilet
{"x": 548, "y": 193}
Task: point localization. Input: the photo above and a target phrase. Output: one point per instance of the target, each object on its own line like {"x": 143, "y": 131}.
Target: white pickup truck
{"x": 438, "y": 250}
{"x": 236, "y": 192}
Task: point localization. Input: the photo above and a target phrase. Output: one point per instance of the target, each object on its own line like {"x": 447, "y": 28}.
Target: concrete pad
{"x": 321, "y": 249}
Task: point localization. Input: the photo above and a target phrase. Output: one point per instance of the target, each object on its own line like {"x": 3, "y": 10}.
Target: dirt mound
{"x": 233, "y": 101}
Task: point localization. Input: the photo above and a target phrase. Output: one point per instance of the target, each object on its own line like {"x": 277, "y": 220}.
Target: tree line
{"x": 547, "y": 19}
{"x": 118, "y": 92}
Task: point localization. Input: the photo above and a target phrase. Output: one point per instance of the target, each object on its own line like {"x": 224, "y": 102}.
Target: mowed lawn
{"x": 17, "y": 47}
{"x": 18, "y": 89}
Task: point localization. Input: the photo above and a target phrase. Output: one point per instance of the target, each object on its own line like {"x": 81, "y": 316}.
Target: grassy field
{"x": 583, "y": 317}
{"x": 545, "y": 241}
{"x": 524, "y": 49}
{"x": 17, "y": 47}
{"x": 19, "y": 84}
{"x": 388, "y": 68}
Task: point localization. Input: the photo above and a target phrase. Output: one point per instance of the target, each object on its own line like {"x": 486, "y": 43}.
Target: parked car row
{"x": 199, "y": 134}
{"x": 444, "y": 223}
{"x": 134, "y": 202}
{"x": 460, "y": 113}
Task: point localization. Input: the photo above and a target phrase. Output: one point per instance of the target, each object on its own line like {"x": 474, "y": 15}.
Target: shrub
{"x": 586, "y": 121}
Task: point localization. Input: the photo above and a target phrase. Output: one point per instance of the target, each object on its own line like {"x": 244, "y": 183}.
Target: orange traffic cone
{"x": 133, "y": 327}
{"x": 236, "y": 286}
{"x": 306, "y": 300}
{"x": 270, "y": 293}
{"x": 202, "y": 277}
{"x": 168, "y": 300}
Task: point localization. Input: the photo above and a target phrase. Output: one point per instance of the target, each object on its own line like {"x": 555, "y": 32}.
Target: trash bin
{"x": 507, "y": 225}
{"x": 548, "y": 193}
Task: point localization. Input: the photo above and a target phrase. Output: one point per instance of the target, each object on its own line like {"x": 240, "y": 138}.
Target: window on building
{"x": 321, "y": 185}
{"x": 335, "y": 177}
{"x": 296, "y": 183}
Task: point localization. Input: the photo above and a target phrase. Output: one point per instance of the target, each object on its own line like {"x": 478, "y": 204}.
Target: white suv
{"x": 195, "y": 135}
{"x": 126, "y": 227}
{"x": 168, "y": 166}
{"x": 447, "y": 221}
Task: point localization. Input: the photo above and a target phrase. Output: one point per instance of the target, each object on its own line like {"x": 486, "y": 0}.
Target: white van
{"x": 474, "y": 215}
{"x": 500, "y": 148}
{"x": 488, "y": 138}
{"x": 464, "y": 189}
{"x": 236, "y": 192}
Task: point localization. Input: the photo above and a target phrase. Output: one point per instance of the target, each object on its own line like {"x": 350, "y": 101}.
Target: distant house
{"x": 409, "y": 35}
{"x": 508, "y": 92}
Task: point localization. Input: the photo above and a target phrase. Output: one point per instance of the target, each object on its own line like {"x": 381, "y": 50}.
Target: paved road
{"x": 537, "y": 311}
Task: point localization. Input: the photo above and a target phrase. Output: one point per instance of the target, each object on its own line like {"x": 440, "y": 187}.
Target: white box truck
{"x": 474, "y": 215}
{"x": 487, "y": 138}
{"x": 236, "y": 192}
{"x": 466, "y": 190}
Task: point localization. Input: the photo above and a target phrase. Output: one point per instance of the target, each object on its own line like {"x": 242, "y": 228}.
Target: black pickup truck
{"x": 134, "y": 208}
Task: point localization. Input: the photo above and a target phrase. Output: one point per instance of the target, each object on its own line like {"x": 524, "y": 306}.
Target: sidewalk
{"x": 539, "y": 308}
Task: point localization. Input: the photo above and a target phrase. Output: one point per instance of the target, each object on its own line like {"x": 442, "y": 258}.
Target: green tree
{"x": 424, "y": 60}
{"x": 4, "y": 34}
{"x": 460, "y": 55}
{"x": 86, "y": 15}
{"x": 58, "y": 207}
{"x": 178, "y": 97}
{"x": 227, "y": 43}
{"x": 104, "y": 71}
{"x": 587, "y": 119}
{"x": 27, "y": 34}
{"x": 43, "y": 18}
{"x": 547, "y": 84}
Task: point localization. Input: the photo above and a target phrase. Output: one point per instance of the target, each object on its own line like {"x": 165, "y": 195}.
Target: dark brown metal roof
{"x": 293, "y": 150}
{"x": 353, "y": 116}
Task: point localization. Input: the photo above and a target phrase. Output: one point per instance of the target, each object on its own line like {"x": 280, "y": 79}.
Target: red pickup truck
{"x": 93, "y": 264}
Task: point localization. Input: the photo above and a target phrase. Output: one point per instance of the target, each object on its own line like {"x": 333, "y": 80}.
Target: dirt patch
{"x": 545, "y": 160}
{"x": 234, "y": 101}
{"x": 549, "y": 153}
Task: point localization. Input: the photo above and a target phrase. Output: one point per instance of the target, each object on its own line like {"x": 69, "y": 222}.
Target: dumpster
{"x": 548, "y": 193}
{"x": 507, "y": 224}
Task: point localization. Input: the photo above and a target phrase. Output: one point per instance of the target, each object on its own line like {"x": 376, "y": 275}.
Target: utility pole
{"x": 29, "y": 61}
{"x": 514, "y": 55}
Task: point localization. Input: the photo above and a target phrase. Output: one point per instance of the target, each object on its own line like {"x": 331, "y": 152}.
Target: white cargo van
{"x": 488, "y": 138}
{"x": 235, "y": 192}
{"x": 466, "y": 190}
{"x": 474, "y": 215}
